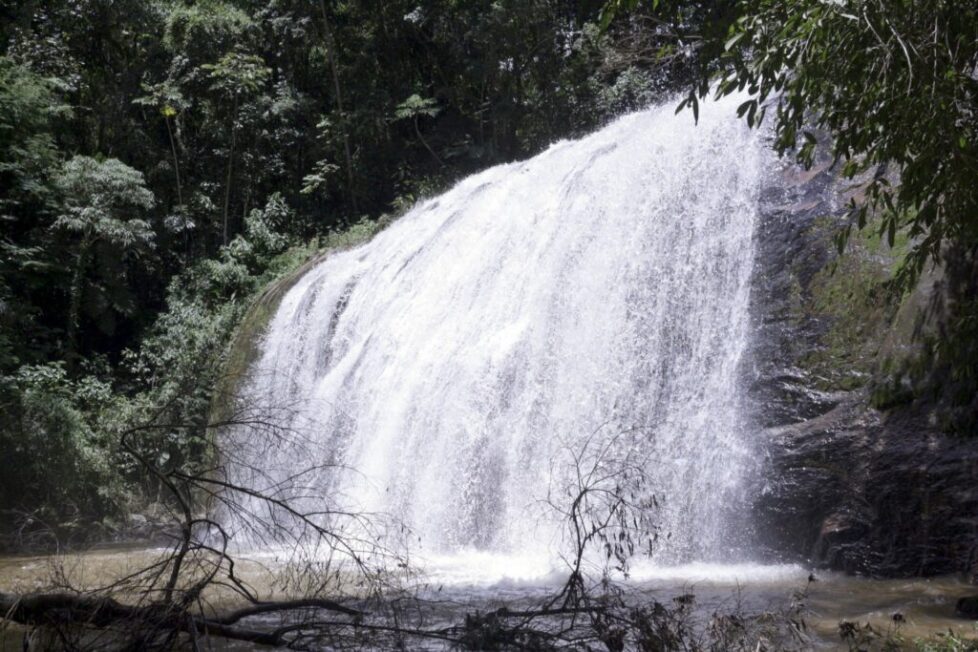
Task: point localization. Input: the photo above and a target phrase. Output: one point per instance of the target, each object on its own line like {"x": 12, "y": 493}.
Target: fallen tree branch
{"x": 288, "y": 605}
{"x": 104, "y": 612}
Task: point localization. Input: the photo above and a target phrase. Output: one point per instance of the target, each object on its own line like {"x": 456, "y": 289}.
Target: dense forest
{"x": 162, "y": 162}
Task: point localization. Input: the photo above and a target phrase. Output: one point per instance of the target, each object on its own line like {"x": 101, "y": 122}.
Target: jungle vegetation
{"x": 161, "y": 162}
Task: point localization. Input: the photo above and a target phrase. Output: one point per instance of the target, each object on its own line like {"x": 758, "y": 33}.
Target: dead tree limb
{"x": 102, "y": 612}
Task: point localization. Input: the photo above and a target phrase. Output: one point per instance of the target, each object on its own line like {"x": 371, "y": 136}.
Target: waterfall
{"x": 439, "y": 370}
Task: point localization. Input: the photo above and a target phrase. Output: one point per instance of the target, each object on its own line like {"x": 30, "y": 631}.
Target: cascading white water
{"x": 601, "y": 286}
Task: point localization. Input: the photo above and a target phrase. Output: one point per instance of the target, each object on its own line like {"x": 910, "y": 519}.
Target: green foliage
{"x": 195, "y": 27}
{"x": 62, "y": 431}
{"x": 236, "y": 75}
{"x": 180, "y": 363}
{"x": 164, "y": 97}
{"x": 60, "y": 465}
{"x": 355, "y": 234}
{"x": 853, "y": 298}
{"x": 893, "y": 83}
{"x": 634, "y": 88}
{"x": 28, "y": 109}
{"x": 947, "y": 642}
{"x": 860, "y": 637}
{"x": 415, "y": 106}
{"x": 102, "y": 202}
{"x": 102, "y": 205}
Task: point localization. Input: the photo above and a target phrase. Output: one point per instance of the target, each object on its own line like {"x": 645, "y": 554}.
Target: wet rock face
{"x": 865, "y": 492}
{"x": 845, "y": 486}
{"x": 799, "y": 210}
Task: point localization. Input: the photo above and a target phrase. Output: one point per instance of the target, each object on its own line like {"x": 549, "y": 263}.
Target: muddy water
{"x": 926, "y": 605}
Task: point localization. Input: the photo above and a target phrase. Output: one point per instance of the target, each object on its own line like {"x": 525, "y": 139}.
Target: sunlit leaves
{"x": 166, "y": 97}
{"x": 104, "y": 200}
{"x": 191, "y": 27}
{"x": 29, "y": 108}
{"x": 415, "y": 106}
{"x": 237, "y": 74}
{"x": 103, "y": 203}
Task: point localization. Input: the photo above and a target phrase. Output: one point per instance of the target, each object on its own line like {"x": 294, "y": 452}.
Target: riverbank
{"x": 452, "y": 589}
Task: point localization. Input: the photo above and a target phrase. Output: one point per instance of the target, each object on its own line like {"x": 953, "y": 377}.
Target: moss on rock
{"x": 865, "y": 333}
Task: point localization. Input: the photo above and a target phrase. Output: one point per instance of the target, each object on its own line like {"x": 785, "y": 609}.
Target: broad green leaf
{"x": 732, "y": 41}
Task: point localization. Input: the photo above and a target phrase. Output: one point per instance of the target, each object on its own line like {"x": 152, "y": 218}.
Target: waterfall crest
{"x": 601, "y": 286}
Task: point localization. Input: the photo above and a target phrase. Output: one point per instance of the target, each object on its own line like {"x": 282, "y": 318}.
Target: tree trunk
{"x": 335, "y": 73}
{"x": 424, "y": 142}
{"x": 176, "y": 161}
{"x": 75, "y": 298}
{"x": 227, "y": 183}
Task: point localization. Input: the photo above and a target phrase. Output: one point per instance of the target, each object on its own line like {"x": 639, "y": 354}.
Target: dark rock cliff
{"x": 846, "y": 486}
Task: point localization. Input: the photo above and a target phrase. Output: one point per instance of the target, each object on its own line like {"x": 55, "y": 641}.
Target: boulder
{"x": 967, "y": 607}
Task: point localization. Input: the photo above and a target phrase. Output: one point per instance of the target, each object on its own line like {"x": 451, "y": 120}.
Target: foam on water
{"x": 744, "y": 573}
{"x": 488, "y": 570}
